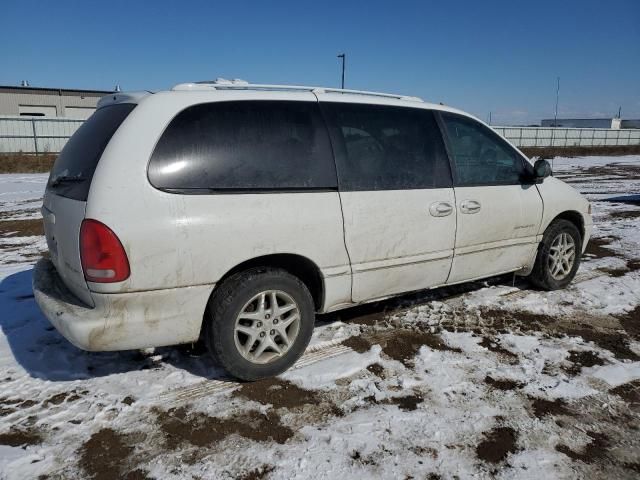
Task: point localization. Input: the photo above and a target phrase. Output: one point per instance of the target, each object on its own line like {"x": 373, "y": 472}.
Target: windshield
{"x": 73, "y": 169}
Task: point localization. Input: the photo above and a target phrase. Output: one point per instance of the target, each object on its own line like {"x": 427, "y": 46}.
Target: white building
{"x": 48, "y": 102}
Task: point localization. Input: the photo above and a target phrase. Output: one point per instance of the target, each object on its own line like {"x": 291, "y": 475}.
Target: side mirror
{"x": 541, "y": 169}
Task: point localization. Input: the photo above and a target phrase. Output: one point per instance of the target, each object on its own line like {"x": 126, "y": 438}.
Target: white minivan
{"x": 232, "y": 213}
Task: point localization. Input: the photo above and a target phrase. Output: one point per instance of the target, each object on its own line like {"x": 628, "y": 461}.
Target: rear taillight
{"x": 103, "y": 257}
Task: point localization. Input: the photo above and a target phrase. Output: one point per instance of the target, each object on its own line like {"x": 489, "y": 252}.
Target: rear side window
{"x": 73, "y": 170}
{"x": 481, "y": 157}
{"x": 387, "y": 148}
{"x": 244, "y": 145}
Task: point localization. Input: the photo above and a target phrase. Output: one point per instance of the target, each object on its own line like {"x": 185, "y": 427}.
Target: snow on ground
{"x": 21, "y": 194}
{"x": 485, "y": 380}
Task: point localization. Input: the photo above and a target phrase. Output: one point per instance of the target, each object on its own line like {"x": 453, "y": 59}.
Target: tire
{"x": 240, "y": 295}
{"x": 542, "y": 275}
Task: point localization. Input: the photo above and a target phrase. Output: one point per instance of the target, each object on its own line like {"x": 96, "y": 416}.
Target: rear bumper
{"x": 121, "y": 321}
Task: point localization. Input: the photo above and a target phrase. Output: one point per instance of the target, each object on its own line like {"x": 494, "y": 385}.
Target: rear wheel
{"x": 558, "y": 256}
{"x": 259, "y": 322}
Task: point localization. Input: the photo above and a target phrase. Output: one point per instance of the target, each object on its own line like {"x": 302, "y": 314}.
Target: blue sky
{"x": 482, "y": 56}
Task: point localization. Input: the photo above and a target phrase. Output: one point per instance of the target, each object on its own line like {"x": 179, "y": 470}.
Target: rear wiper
{"x": 65, "y": 179}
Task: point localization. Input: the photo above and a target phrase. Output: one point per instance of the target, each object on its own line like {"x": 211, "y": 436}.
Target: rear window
{"x": 244, "y": 146}
{"x": 73, "y": 169}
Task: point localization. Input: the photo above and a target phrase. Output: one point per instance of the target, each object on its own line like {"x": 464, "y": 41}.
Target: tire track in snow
{"x": 314, "y": 354}
{"x": 579, "y": 278}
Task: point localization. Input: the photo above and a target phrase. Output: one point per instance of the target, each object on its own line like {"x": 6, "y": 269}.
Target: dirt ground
{"x": 491, "y": 379}
{"x": 24, "y": 163}
{"x": 550, "y": 152}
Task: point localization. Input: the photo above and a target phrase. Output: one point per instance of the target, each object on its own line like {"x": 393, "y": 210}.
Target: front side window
{"x": 244, "y": 145}
{"x": 387, "y": 148}
{"x": 479, "y": 155}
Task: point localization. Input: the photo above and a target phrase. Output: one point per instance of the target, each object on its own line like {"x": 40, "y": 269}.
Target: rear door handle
{"x": 470, "y": 206}
{"x": 440, "y": 209}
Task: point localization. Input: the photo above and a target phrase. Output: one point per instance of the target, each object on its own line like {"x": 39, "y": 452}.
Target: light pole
{"x": 343, "y": 57}
{"x": 555, "y": 117}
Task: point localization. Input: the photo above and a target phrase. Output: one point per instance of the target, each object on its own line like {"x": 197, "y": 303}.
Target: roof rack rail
{"x": 222, "y": 84}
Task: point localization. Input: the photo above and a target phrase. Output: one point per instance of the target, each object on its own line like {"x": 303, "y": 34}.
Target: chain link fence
{"x": 569, "y": 137}
{"x": 35, "y": 135}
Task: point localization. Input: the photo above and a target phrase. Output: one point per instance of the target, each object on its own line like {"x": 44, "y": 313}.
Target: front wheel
{"x": 259, "y": 322}
{"x": 558, "y": 256}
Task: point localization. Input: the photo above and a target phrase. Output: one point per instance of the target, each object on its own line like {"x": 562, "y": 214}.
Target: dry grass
{"x": 21, "y": 228}
{"x": 550, "y": 152}
{"x": 26, "y": 163}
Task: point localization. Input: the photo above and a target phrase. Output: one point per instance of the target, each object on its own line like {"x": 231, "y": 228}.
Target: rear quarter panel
{"x": 175, "y": 240}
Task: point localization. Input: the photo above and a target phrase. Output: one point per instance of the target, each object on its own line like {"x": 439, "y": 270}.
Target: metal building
{"x": 29, "y": 101}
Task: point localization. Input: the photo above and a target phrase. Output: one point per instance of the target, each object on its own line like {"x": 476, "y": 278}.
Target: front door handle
{"x": 440, "y": 209}
{"x": 470, "y": 206}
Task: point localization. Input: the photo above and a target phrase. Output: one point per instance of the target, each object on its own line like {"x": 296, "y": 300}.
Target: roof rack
{"x": 222, "y": 84}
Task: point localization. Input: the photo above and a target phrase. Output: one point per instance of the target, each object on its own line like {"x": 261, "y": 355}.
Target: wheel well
{"x": 575, "y": 218}
{"x": 303, "y": 268}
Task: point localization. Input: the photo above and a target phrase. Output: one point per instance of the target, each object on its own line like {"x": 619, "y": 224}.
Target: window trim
{"x": 339, "y": 147}
{"x": 244, "y": 190}
{"x": 525, "y": 179}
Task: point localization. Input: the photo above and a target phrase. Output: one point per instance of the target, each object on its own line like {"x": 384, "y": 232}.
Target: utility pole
{"x": 343, "y": 57}
{"x": 555, "y": 117}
